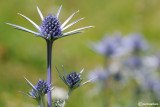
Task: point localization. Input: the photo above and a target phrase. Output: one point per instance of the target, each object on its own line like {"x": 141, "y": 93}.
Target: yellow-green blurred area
{"x": 23, "y": 54}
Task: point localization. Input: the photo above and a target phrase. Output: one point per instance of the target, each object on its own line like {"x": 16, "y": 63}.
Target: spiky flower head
{"x": 51, "y": 28}
{"x": 72, "y": 80}
{"x": 42, "y": 88}
{"x": 39, "y": 90}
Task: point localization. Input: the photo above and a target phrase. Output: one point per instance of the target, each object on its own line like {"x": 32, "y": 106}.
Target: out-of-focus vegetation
{"x": 22, "y": 54}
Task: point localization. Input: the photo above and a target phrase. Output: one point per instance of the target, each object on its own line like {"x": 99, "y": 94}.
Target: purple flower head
{"x": 42, "y": 87}
{"x": 109, "y": 46}
{"x": 72, "y": 80}
{"x": 39, "y": 90}
{"x": 134, "y": 62}
{"x": 135, "y": 42}
{"x": 50, "y": 28}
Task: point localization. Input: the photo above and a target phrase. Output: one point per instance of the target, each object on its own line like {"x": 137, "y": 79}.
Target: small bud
{"x": 59, "y": 103}
{"x": 39, "y": 90}
{"x": 72, "y": 80}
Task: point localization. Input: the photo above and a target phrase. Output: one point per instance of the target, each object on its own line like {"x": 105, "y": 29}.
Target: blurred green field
{"x": 22, "y": 54}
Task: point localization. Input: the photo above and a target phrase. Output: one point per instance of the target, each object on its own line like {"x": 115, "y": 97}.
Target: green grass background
{"x": 22, "y": 54}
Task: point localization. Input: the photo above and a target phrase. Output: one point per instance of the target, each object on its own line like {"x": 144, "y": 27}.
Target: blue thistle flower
{"x": 42, "y": 88}
{"x": 135, "y": 42}
{"x": 39, "y": 90}
{"x": 110, "y": 46}
{"x": 72, "y": 80}
{"x": 134, "y": 62}
{"x": 51, "y": 28}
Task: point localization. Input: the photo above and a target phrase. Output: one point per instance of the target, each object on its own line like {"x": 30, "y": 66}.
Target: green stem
{"x": 43, "y": 102}
{"x": 39, "y": 103}
{"x": 68, "y": 95}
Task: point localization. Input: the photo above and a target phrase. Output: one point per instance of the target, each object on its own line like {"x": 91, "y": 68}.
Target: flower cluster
{"x": 133, "y": 65}
{"x": 117, "y": 45}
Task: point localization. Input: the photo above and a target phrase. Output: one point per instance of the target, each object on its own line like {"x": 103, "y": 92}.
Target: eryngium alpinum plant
{"x": 51, "y": 29}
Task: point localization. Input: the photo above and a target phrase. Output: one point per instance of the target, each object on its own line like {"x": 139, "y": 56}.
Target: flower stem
{"x": 68, "y": 95}
{"x": 43, "y": 101}
{"x": 39, "y": 103}
{"x": 49, "y": 58}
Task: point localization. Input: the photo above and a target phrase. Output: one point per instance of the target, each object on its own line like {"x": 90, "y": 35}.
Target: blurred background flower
{"x": 109, "y": 46}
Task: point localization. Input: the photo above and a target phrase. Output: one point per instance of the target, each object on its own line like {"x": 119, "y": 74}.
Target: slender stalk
{"x": 49, "y": 60}
{"x": 43, "y": 102}
{"x": 107, "y": 63}
{"x": 39, "y": 103}
{"x": 68, "y": 95}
